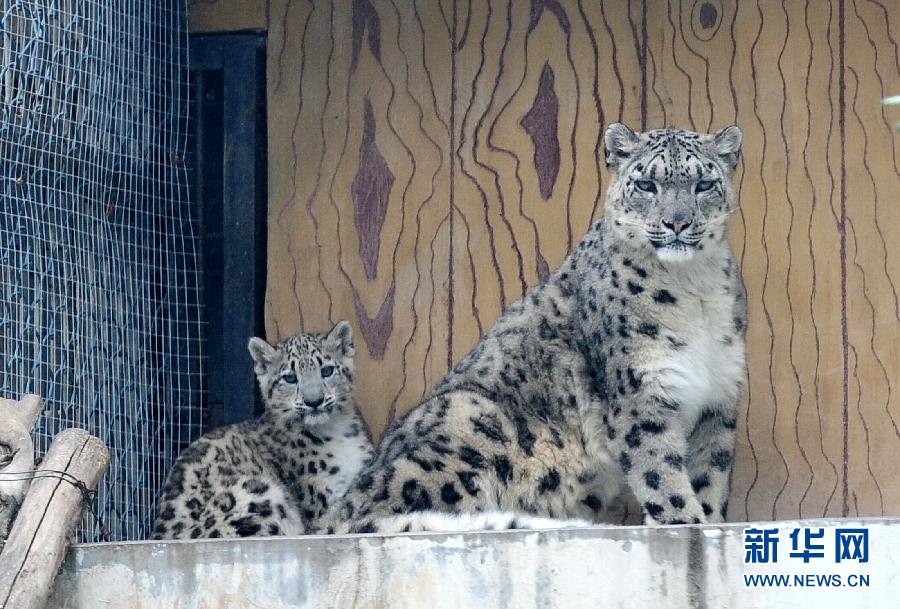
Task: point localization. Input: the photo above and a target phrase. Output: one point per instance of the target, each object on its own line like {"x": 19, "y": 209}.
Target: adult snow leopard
{"x": 278, "y": 473}
{"x": 620, "y": 374}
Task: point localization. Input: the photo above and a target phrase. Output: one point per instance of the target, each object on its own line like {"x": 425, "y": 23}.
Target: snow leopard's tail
{"x": 441, "y": 522}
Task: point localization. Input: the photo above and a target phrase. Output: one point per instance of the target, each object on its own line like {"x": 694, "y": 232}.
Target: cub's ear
{"x": 621, "y": 143}
{"x": 264, "y": 355}
{"x": 340, "y": 339}
{"x": 727, "y": 143}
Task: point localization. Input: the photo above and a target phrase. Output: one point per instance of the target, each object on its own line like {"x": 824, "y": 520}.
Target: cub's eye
{"x": 327, "y": 371}
{"x": 290, "y": 377}
{"x": 646, "y": 186}
{"x": 704, "y": 185}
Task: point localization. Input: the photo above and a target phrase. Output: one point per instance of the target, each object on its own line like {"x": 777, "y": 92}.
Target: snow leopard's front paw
{"x": 681, "y": 512}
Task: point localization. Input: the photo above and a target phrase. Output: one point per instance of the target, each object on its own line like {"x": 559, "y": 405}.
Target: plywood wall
{"x": 431, "y": 159}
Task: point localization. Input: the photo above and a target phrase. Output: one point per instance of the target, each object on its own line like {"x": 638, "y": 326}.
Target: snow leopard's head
{"x": 672, "y": 189}
{"x": 309, "y": 376}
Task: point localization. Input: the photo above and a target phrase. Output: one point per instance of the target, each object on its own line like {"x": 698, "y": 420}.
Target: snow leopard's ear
{"x": 340, "y": 340}
{"x": 264, "y": 355}
{"x": 621, "y": 143}
{"x": 727, "y": 143}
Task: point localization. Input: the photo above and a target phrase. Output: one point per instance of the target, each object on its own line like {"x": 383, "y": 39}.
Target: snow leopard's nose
{"x": 313, "y": 393}
{"x": 677, "y": 226}
{"x": 677, "y": 220}
{"x": 314, "y": 402}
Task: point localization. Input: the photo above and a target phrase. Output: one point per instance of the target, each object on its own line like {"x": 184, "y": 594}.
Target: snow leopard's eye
{"x": 290, "y": 377}
{"x": 704, "y": 185}
{"x": 646, "y": 186}
{"x": 327, "y": 371}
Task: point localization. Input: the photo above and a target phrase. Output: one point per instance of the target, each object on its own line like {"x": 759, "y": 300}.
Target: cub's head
{"x": 672, "y": 190}
{"x": 308, "y": 375}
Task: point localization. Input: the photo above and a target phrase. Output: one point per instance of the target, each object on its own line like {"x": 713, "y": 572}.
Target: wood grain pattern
{"x": 431, "y": 160}
{"x": 871, "y": 70}
{"x": 359, "y": 170}
{"x": 509, "y": 229}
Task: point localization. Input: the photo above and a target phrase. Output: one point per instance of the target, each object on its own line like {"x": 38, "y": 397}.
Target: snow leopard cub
{"x": 278, "y": 473}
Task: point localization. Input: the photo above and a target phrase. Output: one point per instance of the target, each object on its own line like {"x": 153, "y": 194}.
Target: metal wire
{"x": 100, "y": 308}
{"x": 87, "y": 495}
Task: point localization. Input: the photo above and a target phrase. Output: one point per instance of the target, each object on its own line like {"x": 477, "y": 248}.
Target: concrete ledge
{"x": 641, "y": 567}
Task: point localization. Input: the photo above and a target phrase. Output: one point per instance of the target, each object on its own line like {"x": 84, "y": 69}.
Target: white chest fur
{"x": 706, "y": 366}
{"x": 350, "y": 453}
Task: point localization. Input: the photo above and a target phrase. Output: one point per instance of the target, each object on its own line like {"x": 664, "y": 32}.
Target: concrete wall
{"x": 565, "y": 569}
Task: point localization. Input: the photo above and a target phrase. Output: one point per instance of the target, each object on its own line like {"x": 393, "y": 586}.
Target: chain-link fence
{"x": 99, "y": 287}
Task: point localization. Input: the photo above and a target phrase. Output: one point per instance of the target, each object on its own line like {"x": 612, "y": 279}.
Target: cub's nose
{"x": 677, "y": 226}
{"x": 314, "y": 402}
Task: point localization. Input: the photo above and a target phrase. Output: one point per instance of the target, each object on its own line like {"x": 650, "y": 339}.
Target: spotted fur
{"x": 616, "y": 378}
{"x": 279, "y": 473}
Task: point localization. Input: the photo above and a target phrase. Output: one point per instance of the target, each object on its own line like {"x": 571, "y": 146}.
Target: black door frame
{"x": 229, "y": 185}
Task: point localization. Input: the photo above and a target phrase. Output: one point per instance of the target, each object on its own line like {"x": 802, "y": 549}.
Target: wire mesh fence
{"x": 100, "y": 308}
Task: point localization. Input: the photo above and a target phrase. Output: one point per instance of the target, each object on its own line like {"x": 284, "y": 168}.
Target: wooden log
{"x": 17, "y": 420}
{"x": 52, "y": 508}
